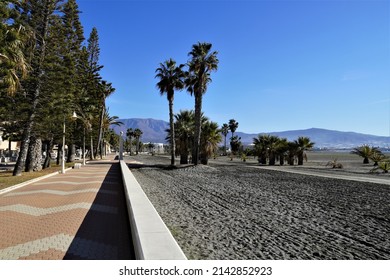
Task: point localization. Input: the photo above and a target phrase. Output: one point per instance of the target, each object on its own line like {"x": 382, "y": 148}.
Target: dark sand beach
{"x": 235, "y": 210}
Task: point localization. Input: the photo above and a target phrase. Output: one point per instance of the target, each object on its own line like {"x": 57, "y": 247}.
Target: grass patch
{"x": 7, "y": 180}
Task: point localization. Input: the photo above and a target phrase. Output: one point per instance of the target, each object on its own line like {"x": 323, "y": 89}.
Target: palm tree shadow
{"x": 105, "y": 231}
{"x": 158, "y": 166}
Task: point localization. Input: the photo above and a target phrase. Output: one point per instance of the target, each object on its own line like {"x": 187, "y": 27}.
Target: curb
{"x": 152, "y": 239}
{"x": 3, "y": 191}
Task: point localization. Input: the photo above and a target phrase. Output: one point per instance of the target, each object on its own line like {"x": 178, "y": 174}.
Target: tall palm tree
{"x": 202, "y": 62}
{"x": 225, "y": 131}
{"x": 137, "y": 134}
{"x": 171, "y": 79}
{"x": 303, "y": 144}
{"x": 105, "y": 90}
{"x": 233, "y": 125}
{"x": 108, "y": 121}
{"x": 129, "y": 135}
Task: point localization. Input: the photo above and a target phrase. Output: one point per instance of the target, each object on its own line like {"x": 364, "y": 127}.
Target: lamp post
{"x": 74, "y": 117}
{"x": 63, "y": 150}
{"x": 121, "y": 146}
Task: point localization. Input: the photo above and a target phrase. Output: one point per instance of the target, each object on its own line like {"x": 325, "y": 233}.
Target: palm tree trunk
{"x": 198, "y": 120}
{"x": 225, "y": 153}
{"x": 48, "y": 145}
{"x": 281, "y": 159}
{"x": 130, "y": 145}
{"x": 172, "y": 128}
{"x": 10, "y": 146}
{"x": 98, "y": 146}
{"x": 271, "y": 158}
{"x": 91, "y": 155}
{"x": 71, "y": 153}
{"x": 300, "y": 158}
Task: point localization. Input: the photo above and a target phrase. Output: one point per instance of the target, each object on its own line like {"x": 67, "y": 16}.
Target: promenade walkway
{"x": 77, "y": 215}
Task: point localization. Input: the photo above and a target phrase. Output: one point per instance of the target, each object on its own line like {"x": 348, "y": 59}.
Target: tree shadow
{"x": 159, "y": 166}
{"x": 105, "y": 231}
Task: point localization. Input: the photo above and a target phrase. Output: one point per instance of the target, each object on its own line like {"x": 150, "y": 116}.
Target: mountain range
{"x": 154, "y": 131}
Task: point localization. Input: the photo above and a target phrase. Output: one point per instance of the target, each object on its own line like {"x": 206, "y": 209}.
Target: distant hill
{"x": 324, "y": 138}
{"x": 154, "y": 131}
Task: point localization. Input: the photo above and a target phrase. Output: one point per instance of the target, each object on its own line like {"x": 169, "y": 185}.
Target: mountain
{"x": 324, "y": 138}
{"x": 154, "y": 131}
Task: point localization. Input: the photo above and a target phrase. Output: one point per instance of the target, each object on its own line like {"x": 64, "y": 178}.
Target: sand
{"x": 231, "y": 210}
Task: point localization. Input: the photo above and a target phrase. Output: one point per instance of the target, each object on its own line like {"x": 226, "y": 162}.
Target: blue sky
{"x": 284, "y": 65}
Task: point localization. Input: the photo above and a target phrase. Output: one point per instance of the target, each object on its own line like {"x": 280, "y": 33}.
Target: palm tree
{"x": 137, "y": 134}
{"x": 210, "y": 138}
{"x": 272, "y": 148}
{"x": 202, "y": 63}
{"x": 292, "y": 151}
{"x": 108, "y": 121}
{"x": 184, "y": 126}
{"x": 105, "y": 91}
{"x": 129, "y": 135}
{"x": 13, "y": 64}
{"x": 233, "y": 125}
{"x": 377, "y": 156}
{"x": 225, "y": 131}
{"x": 171, "y": 79}
{"x": 281, "y": 150}
{"x": 261, "y": 143}
{"x": 303, "y": 144}
{"x": 365, "y": 152}
{"x": 383, "y": 165}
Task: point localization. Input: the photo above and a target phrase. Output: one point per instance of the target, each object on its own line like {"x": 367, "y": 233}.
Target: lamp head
{"x": 74, "y": 116}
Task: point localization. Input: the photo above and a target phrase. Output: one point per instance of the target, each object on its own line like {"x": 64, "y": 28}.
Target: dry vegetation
{"x": 7, "y": 180}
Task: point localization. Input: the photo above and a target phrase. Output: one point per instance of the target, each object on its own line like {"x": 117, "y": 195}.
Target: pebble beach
{"x": 228, "y": 211}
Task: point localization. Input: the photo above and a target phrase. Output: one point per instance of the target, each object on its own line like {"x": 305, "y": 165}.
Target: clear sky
{"x": 283, "y": 65}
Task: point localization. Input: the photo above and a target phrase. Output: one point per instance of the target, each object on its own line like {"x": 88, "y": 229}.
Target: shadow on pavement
{"x": 105, "y": 232}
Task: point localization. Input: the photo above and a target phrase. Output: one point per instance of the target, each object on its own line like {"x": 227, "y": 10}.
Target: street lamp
{"x": 121, "y": 146}
{"x": 63, "y": 150}
{"x": 74, "y": 117}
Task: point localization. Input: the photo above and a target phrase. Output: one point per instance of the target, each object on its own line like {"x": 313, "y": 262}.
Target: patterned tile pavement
{"x": 77, "y": 215}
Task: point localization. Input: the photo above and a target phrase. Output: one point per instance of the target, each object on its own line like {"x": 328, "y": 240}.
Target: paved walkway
{"x": 77, "y": 215}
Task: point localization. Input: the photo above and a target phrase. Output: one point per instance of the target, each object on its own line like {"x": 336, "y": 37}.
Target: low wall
{"x": 151, "y": 238}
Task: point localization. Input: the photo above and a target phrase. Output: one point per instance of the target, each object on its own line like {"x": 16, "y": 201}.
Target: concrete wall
{"x": 151, "y": 238}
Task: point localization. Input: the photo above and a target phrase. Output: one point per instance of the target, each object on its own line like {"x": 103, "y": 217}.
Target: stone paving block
{"x": 67, "y": 216}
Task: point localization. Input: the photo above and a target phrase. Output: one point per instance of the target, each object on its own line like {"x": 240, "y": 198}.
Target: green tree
{"x": 224, "y": 131}
{"x": 130, "y": 135}
{"x": 281, "y": 150}
{"x": 303, "y": 144}
{"x": 261, "y": 144}
{"x": 365, "y": 152}
{"x": 210, "y": 137}
{"x": 137, "y": 135}
{"x": 13, "y": 65}
{"x": 171, "y": 78}
{"x": 292, "y": 152}
{"x": 272, "y": 148}
{"x": 106, "y": 90}
{"x": 202, "y": 62}
{"x": 184, "y": 133}
{"x": 38, "y": 14}
{"x": 233, "y": 125}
